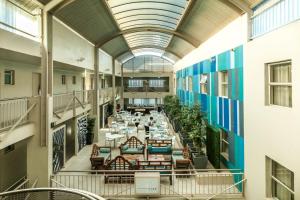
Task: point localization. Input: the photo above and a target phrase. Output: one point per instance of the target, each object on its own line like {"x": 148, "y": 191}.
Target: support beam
{"x": 57, "y": 5}
{"x": 239, "y": 6}
{"x": 114, "y": 85}
{"x": 194, "y": 42}
{"x": 148, "y": 46}
{"x": 122, "y": 88}
{"x": 243, "y": 5}
{"x": 96, "y": 104}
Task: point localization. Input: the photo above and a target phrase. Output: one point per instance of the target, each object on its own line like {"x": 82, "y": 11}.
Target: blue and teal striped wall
{"x": 223, "y": 112}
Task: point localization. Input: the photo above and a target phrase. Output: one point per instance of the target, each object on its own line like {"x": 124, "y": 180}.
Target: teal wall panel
{"x": 223, "y": 61}
{"x": 231, "y": 113}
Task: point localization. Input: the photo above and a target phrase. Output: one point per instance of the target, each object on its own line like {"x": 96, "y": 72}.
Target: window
{"x": 190, "y": 83}
{"x": 74, "y": 80}
{"x": 63, "y": 79}
{"x": 224, "y": 144}
{"x": 9, "y": 77}
{"x": 223, "y": 83}
{"x": 203, "y": 83}
{"x": 156, "y": 83}
{"x": 281, "y": 181}
{"x": 135, "y": 83}
{"x": 279, "y": 84}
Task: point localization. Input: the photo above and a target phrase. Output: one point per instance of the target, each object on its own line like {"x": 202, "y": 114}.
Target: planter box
{"x": 199, "y": 161}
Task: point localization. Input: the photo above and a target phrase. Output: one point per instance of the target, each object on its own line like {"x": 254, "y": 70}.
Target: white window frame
{"x": 223, "y": 83}
{"x": 203, "y": 83}
{"x": 224, "y": 141}
{"x": 63, "y": 79}
{"x": 74, "y": 80}
{"x": 269, "y": 85}
{"x": 271, "y": 179}
{"x": 12, "y": 76}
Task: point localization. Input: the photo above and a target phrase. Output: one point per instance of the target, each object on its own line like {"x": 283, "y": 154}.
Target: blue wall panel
{"x": 222, "y": 112}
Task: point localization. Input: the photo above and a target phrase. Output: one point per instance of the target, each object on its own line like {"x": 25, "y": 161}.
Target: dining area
{"x": 143, "y": 126}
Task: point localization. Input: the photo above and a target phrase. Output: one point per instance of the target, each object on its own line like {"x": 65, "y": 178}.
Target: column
{"x": 96, "y": 111}
{"x": 39, "y": 148}
{"x": 114, "y": 85}
{"x": 122, "y": 88}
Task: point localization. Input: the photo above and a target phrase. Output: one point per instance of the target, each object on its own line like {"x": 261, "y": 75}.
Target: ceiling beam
{"x": 57, "y": 5}
{"x": 194, "y": 42}
{"x": 148, "y": 47}
{"x": 243, "y": 5}
{"x": 239, "y": 6}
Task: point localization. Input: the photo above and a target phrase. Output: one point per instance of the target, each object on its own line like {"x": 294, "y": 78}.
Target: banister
{"x": 228, "y": 188}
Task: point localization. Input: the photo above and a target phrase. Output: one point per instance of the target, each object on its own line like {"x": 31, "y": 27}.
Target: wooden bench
{"x": 99, "y": 157}
{"x": 159, "y": 165}
{"x": 132, "y": 146}
{"x": 159, "y": 147}
{"x": 119, "y": 170}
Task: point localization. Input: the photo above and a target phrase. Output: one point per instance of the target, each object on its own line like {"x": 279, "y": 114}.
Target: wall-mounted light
{"x": 80, "y": 59}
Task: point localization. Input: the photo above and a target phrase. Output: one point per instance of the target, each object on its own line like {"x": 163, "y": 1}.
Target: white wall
{"x": 14, "y": 42}
{"x": 69, "y": 86}
{"x": 23, "y": 79}
{"x": 233, "y": 35}
{"x": 105, "y": 62}
{"x": 271, "y": 131}
{"x": 69, "y": 47}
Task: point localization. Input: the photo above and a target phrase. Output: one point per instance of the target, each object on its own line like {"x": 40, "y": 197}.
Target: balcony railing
{"x": 64, "y": 101}
{"x": 146, "y": 89}
{"x": 178, "y": 183}
{"x": 11, "y": 110}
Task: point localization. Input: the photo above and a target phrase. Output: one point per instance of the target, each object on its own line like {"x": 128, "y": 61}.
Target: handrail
{"x": 175, "y": 170}
{"x": 18, "y": 122}
{"x": 81, "y": 193}
{"x": 18, "y": 181}
{"x": 228, "y": 188}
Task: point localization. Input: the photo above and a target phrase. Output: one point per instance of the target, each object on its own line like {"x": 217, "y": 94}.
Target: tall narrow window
{"x": 280, "y": 84}
{"x": 281, "y": 181}
{"x": 9, "y": 77}
{"x": 224, "y": 144}
{"x": 63, "y": 79}
{"x": 74, "y": 80}
{"x": 203, "y": 83}
{"x": 223, "y": 83}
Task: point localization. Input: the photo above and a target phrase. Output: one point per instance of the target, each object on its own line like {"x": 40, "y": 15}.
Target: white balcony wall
{"x": 60, "y": 88}
{"x": 18, "y": 43}
{"x": 70, "y": 48}
{"x": 118, "y": 68}
{"x": 105, "y": 62}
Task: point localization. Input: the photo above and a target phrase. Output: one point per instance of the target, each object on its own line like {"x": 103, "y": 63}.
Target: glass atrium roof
{"x": 164, "y": 14}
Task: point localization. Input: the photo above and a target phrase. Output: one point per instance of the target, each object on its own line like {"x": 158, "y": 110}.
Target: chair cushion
{"x": 104, "y": 155}
{"x": 125, "y": 147}
{"x": 132, "y": 150}
{"x": 104, "y": 150}
{"x": 140, "y": 147}
{"x": 177, "y": 152}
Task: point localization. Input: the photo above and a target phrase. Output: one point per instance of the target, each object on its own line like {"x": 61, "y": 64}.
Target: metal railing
{"x": 48, "y": 193}
{"x": 64, "y": 101}
{"x": 175, "y": 183}
{"x": 11, "y": 110}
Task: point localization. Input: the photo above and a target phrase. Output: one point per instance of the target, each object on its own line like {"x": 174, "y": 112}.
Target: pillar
{"x": 122, "y": 88}
{"x": 96, "y": 106}
{"x": 114, "y": 85}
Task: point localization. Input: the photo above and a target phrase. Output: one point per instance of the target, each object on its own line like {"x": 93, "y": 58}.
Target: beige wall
{"x": 70, "y": 48}
{"x": 271, "y": 131}
{"x": 13, "y": 165}
{"x": 23, "y": 79}
{"x": 69, "y": 86}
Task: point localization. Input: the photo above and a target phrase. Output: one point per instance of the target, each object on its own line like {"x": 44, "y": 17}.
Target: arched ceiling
{"x": 172, "y": 28}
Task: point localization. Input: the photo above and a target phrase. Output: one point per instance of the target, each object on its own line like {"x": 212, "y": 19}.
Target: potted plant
{"x": 90, "y": 130}
{"x": 198, "y": 135}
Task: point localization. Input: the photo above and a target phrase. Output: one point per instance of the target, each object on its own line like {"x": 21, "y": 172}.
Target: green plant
{"x": 198, "y": 135}
{"x": 90, "y": 129}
